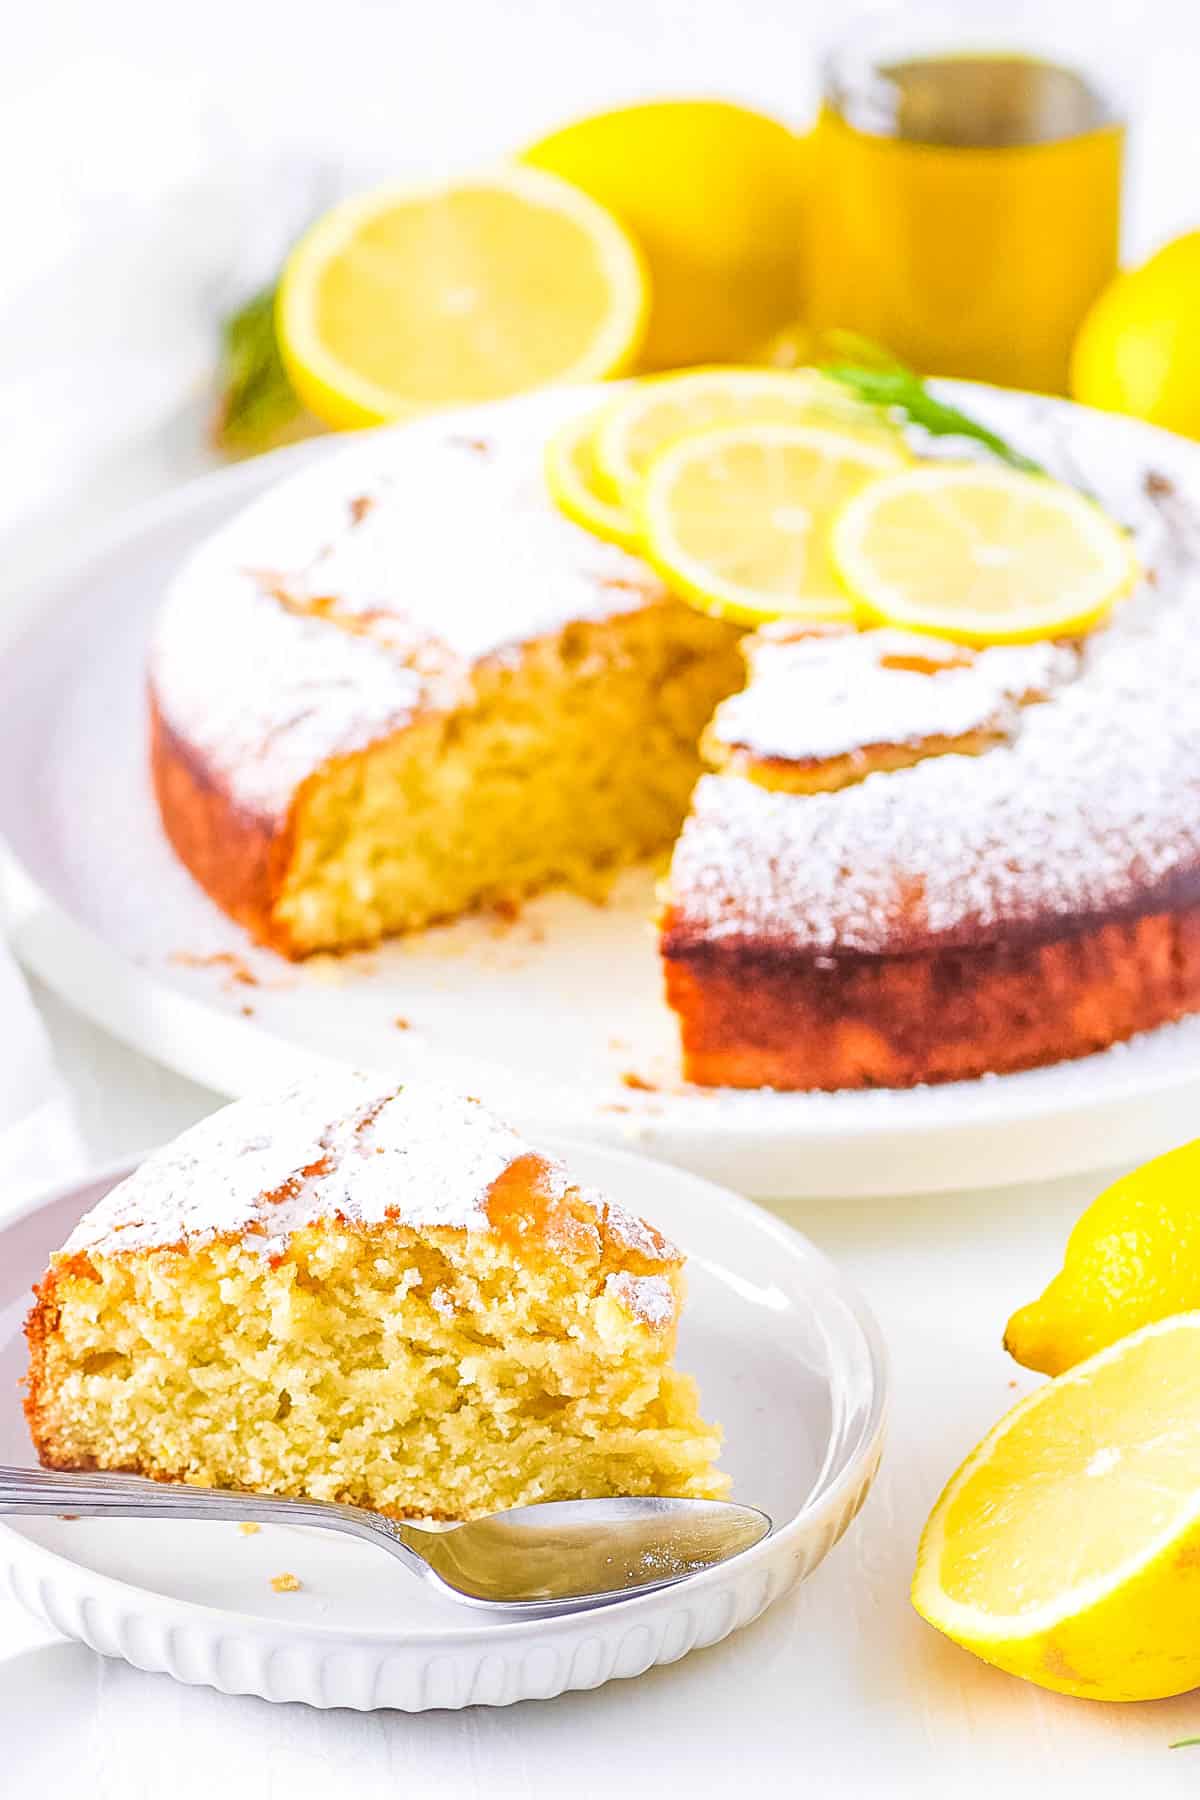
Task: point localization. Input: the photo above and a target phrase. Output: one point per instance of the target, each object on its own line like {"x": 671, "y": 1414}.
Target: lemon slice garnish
{"x": 1066, "y": 1547}
{"x": 981, "y": 555}
{"x": 409, "y": 299}
{"x": 737, "y": 520}
{"x": 571, "y": 479}
{"x": 657, "y": 413}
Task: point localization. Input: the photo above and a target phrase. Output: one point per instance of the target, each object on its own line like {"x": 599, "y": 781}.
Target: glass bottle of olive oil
{"x": 965, "y": 208}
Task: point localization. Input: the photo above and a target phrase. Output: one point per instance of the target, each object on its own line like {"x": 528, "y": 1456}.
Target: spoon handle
{"x": 93, "y": 1495}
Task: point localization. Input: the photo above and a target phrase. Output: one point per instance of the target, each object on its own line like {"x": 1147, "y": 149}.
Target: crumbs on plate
{"x": 287, "y": 1583}
{"x": 248, "y": 1528}
{"x": 631, "y": 1079}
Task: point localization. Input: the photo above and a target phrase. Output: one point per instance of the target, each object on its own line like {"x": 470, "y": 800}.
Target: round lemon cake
{"x": 404, "y": 685}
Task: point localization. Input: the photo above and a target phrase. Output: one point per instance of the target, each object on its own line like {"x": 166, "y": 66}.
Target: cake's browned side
{"x": 752, "y": 1018}
{"x": 40, "y": 1327}
{"x": 239, "y": 860}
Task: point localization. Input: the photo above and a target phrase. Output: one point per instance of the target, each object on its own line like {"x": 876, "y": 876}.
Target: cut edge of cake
{"x": 374, "y": 1294}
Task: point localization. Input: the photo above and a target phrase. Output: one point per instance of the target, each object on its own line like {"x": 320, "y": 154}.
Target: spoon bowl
{"x": 556, "y": 1557}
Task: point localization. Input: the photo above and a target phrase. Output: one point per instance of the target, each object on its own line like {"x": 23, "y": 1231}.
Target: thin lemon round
{"x": 1067, "y": 1547}
{"x": 736, "y": 520}
{"x": 981, "y": 555}
{"x": 571, "y": 479}
{"x": 405, "y": 300}
{"x": 656, "y": 413}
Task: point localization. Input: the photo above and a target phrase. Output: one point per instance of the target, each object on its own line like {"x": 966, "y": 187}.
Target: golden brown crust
{"x": 239, "y": 860}
{"x": 40, "y": 1326}
{"x": 760, "y": 1019}
{"x": 827, "y": 774}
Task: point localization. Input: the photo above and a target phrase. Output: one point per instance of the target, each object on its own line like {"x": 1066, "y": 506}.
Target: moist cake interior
{"x": 377, "y": 1296}
{"x": 553, "y": 773}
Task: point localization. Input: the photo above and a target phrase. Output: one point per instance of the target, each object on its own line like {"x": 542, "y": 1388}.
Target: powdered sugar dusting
{"x": 340, "y": 1145}
{"x": 630, "y": 1232}
{"x": 264, "y": 696}
{"x": 1094, "y": 806}
{"x": 648, "y": 1297}
{"x": 812, "y": 698}
{"x": 471, "y": 549}
{"x": 316, "y": 623}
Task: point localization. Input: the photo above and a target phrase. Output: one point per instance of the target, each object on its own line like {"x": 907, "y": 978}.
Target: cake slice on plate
{"x": 364, "y": 1292}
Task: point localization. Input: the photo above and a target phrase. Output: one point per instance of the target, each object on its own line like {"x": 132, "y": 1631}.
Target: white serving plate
{"x": 786, "y": 1355}
{"x": 544, "y": 1016}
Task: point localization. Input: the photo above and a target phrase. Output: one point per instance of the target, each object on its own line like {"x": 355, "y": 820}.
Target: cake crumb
{"x": 237, "y": 972}
{"x": 287, "y": 1583}
{"x": 401, "y": 1023}
{"x": 247, "y": 1012}
{"x": 503, "y": 915}
{"x": 248, "y": 1528}
{"x": 631, "y": 1079}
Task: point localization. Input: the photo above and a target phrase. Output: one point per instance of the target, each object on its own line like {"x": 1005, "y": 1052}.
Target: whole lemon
{"x": 1132, "y": 1259}
{"x": 713, "y": 195}
{"x": 1138, "y": 349}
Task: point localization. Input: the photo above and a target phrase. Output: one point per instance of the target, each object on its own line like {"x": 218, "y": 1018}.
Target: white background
{"x": 106, "y": 305}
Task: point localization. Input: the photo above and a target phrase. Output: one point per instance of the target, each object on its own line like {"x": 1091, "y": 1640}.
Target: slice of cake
{"x": 378, "y": 1294}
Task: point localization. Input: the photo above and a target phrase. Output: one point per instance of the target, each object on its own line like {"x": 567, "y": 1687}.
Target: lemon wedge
{"x": 1133, "y": 1258}
{"x": 404, "y": 300}
{"x": 571, "y": 479}
{"x": 981, "y": 555}
{"x": 656, "y": 413}
{"x": 1067, "y": 1547}
{"x": 736, "y": 520}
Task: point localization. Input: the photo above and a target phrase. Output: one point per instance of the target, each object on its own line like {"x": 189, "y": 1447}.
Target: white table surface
{"x": 840, "y": 1689}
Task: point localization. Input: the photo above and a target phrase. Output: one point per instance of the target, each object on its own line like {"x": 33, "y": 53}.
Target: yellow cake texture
{"x": 361, "y": 1292}
{"x": 403, "y": 686}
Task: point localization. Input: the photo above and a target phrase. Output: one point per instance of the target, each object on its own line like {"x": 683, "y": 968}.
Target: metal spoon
{"x": 557, "y": 1557}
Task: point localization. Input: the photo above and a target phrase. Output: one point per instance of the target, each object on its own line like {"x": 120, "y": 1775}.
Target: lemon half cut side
{"x": 404, "y": 299}
{"x": 1066, "y": 1549}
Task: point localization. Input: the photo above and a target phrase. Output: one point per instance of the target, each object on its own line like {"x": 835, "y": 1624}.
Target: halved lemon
{"x": 408, "y": 299}
{"x": 1067, "y": 1547}
{"x": 737, "y": 520}
{"x": 571, "y": 479}
{"x": 982, "y": 555}
{"x": 658, "y": 412}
